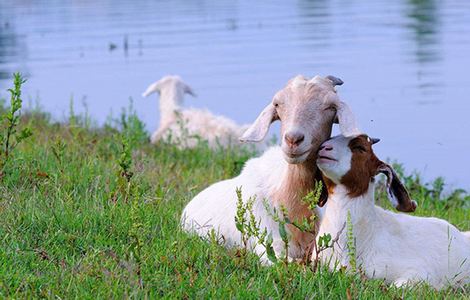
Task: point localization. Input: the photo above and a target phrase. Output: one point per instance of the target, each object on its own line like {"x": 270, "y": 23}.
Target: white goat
{"x": 282, "y": 175}
{"x": 187, "y": 126}
{"x": 399, "y": 248}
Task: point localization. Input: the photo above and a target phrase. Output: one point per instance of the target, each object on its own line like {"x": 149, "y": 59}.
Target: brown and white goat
{"x": 399, "y": 248}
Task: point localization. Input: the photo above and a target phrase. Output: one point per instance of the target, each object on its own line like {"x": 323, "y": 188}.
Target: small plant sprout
{"x": 10, "y": 137}
{"x": 136, "y": 233}
{"x": 72, "y": 116}
{"x": 215, "y": 238}
{"x": 58, "y": 149}
{"x": 241, "y": 220}
{"x": 248, "y": 226}
{"x": 351, "y": 242}
{"x": 125, "y": 160}
{"x": 263, "y": 237}
{"x": 131, "y": 126}
{"x": 282, "y": 220}
{"x": 124, "y": 173}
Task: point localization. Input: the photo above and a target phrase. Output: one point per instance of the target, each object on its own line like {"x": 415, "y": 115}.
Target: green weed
{"x": 10, "y": 137}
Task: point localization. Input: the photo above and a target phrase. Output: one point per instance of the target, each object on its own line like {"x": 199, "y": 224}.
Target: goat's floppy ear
{"x": 188, "y": 90}
{"x": 258, "y": 130}
{"x": 324, "y": 191}
{"x": 396, "y": 191}
{"x": 154, "y": 87}
{"x": 346, "y": 119}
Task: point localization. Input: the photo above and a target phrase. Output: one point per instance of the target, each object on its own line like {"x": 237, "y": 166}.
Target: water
{"x": 404, "y": 63}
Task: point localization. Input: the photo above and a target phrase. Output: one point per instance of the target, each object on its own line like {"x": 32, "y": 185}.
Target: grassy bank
{"x": 94, "y": 212}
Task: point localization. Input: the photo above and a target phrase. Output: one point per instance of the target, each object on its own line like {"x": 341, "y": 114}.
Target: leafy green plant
{"x": 305, "y": 225}
{"x": 128, "y": 191}
{"x": 351, "y": 243}
{"x": 10, "y": 137}
{"x": 132, "y": 127}
{"x": 136, "y": 233}
{"x": 124, "y": 173}
{"x": 249, "y": 227}
{"x": 72, "y": 116}
{"x": 58, "y": 149}
{"x": 241, "y": 219}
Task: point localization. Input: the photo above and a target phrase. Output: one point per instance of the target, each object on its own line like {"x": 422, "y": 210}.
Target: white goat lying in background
{"x": 283, "y": 175}
{"x": 187, "y": 125}
{"x": 399, "y": 248}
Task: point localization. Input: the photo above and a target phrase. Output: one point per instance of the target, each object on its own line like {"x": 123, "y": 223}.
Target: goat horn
{"x": 374, "y": 140}
{"x": 335, "y": 80}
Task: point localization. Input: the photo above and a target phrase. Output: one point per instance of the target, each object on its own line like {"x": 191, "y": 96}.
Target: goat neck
{"x": 340, "y": 203}
{"x": 298, "y": 180}
{"x": 170, "y": 100}
{"x": 361, "y": 210}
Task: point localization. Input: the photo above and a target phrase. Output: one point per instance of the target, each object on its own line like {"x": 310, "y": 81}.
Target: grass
{"x": 92, "y": 212}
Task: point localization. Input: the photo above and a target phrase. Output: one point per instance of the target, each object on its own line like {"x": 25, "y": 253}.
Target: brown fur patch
{"x": 364, "y": 165}
{"x": 330, "y": 185}
{"x": 298, "y": 182}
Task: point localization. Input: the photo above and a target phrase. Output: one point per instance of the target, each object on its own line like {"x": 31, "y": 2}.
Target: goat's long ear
{"x": 154, "y": 87}
{"x": 258, "y": 130}
{"x": 346, "y": 119}
{"x": 324, "y": 191}
{"x": 188, "y": 90}
{"x": 396, "y": 191}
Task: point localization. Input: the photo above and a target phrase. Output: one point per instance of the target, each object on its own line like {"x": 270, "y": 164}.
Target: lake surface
{"x": 405, "y": 64}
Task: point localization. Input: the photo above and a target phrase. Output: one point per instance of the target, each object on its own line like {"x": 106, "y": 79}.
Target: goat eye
{"x": 276, "y": 105}
{"x": 359, "y": 148}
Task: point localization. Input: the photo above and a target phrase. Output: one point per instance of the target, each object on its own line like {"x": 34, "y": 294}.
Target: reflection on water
{"x": 424, "y": 21}
{"x": 8, "y": 48}
{"x": 404, "y": 63}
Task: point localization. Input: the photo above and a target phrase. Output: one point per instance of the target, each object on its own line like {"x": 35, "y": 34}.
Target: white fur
{"x": 399, "y": 248}
{"x": 186, "y": 126}
{"x": 215, "y": 207}
{"x": 340, "y": 149}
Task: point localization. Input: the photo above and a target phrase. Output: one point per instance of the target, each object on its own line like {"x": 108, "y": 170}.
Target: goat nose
{"x": 294, "y": 138}
{"x": 326, "y": 147}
